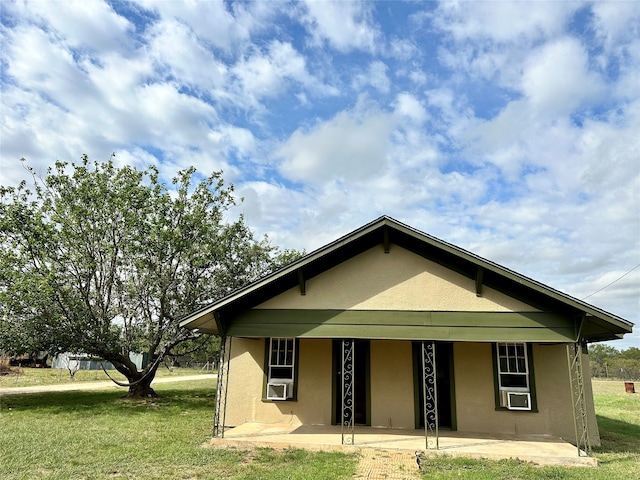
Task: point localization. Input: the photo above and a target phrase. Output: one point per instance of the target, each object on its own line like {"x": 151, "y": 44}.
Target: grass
{"x": 27, "y": 377}
{"x": 99, "y": 435}
{"x": 618, "y": 415}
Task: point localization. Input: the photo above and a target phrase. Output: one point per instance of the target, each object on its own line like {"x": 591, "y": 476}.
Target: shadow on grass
{"x": 96, "y": 402}
{"x": 617, "y": 436}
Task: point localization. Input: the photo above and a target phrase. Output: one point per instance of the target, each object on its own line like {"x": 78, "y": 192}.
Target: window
{"x": 514, "y": 379}
{"x": 281, "y": 369}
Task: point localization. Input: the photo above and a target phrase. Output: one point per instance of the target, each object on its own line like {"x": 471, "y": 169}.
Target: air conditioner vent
{"x": 518, "y": 401}
{"x": 279, "y": 389}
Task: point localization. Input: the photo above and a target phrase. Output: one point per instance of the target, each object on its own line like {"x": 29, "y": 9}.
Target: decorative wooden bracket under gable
{"x": 479, "y": 274}
{"x": 302, "y": 282}
{"x": 385, "y": 239}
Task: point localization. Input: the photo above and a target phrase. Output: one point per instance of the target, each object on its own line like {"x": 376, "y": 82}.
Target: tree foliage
{"x": 104, "y": 260}
{"x": 607, "y": 361}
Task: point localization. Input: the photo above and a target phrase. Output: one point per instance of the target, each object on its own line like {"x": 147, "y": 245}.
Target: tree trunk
{"x": 138, "y": 383}
{"x": 142, "y": 390}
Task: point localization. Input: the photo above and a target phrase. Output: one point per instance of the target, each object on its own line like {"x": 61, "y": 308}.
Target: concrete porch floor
{"x": 538, "y": 449}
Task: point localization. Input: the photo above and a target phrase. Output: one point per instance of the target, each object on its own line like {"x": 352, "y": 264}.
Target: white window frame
{"x": 516, "y": 365}
{"x": 281, "y": 368}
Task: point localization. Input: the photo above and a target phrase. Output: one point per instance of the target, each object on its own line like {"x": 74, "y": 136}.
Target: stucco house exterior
{"x": 364, "y": 329}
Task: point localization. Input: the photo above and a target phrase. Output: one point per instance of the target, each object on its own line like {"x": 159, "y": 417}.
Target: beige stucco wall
{"x": 245, "y": 391}
{"x": 392, "y": 393}
{"x": 399, "y": 280}
{"x": 391, "y": 384}
{"x": 475, "y": 404}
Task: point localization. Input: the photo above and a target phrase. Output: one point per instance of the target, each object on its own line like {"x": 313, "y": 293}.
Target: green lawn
{"x": 99, "y": 435}
{"x": 618, "y": 416}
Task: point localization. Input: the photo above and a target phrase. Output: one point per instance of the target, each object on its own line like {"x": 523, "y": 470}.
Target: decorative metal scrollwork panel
{"x": 430, "y": 394}
{"x": 348, "y": 404}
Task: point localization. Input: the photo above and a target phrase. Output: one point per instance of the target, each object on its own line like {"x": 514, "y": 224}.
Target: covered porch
{"x": 538, "y": 449}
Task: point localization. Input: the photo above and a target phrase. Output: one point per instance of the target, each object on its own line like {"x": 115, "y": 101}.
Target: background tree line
{"x": 609, "y": 362}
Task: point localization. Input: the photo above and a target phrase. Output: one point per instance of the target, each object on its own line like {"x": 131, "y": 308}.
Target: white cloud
{"x": 345, "y": 26}
{"x": 490, "y": 40}
{"x": 269, "y": 75}
{"x": 265, "y": 75}
{"x": 409, "y": 106}
{"x": 617, "y": 22}
{"x": 375, "y": 76}
{"x": 41, "y": 64}
{"x": 502, "y": 21}
{"x": 350, "y": 146}
{"x": 267, "y": 207}
{"x": 418, "y": 77}
{"x": 93, "y": 26}
{"x": 556, "y": 78}
{"x": 210, "y": 21}
{"x": 402, "y": 48}
{"x": 454, "y": 114}
{"x": 173, "y": 44}
{"x": 378, "y": 76}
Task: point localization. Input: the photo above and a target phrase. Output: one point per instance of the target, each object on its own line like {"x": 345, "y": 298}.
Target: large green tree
{"x": 104, "y": 260}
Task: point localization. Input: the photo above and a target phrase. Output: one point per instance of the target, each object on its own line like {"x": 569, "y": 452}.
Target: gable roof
{"x": 386, "y": 231}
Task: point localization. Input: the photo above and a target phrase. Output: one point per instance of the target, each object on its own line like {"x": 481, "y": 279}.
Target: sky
{"x": 510, "y": 129}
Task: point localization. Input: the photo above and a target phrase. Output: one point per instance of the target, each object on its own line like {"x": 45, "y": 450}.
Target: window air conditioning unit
{"x": 518, "y": 401}
{"x": 279, "y": 389}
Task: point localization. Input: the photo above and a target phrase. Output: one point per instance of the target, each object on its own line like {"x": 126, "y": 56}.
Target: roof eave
{"x": 191, "y": 321}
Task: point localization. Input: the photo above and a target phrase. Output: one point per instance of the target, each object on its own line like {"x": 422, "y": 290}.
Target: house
{"x": 387, "y": 326}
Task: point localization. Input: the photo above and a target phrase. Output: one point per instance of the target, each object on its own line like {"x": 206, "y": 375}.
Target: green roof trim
{"x": 405, "y": 325}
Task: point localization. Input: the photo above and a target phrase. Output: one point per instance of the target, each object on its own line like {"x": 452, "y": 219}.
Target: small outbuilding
{"x": 389, "y": 326}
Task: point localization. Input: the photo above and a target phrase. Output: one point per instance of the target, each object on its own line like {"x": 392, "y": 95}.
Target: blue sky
{"x": 511, "y": 129}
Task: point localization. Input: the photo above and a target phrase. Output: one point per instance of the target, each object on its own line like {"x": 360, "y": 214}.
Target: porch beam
{"x": 405, "y": 325}
{"x": 399, "y": 318}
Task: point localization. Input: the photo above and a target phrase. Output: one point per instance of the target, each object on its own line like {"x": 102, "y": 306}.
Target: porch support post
{"x": 348, "y": 404}
{"x": 430, "y": 395}
{"x": 221, "y": 392}
{"x": 578, "y": 404}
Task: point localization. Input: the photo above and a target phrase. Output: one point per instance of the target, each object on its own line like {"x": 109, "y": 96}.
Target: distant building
{"x": 87, "y": 362}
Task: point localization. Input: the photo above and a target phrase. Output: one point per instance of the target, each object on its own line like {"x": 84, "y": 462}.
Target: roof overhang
{"x": 598, "y": 324}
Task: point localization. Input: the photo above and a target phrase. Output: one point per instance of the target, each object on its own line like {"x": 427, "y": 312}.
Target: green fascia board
{"x": 388, "y": 332}
{"x": 405, "y": 325}
{"x": 404, "y": 317}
